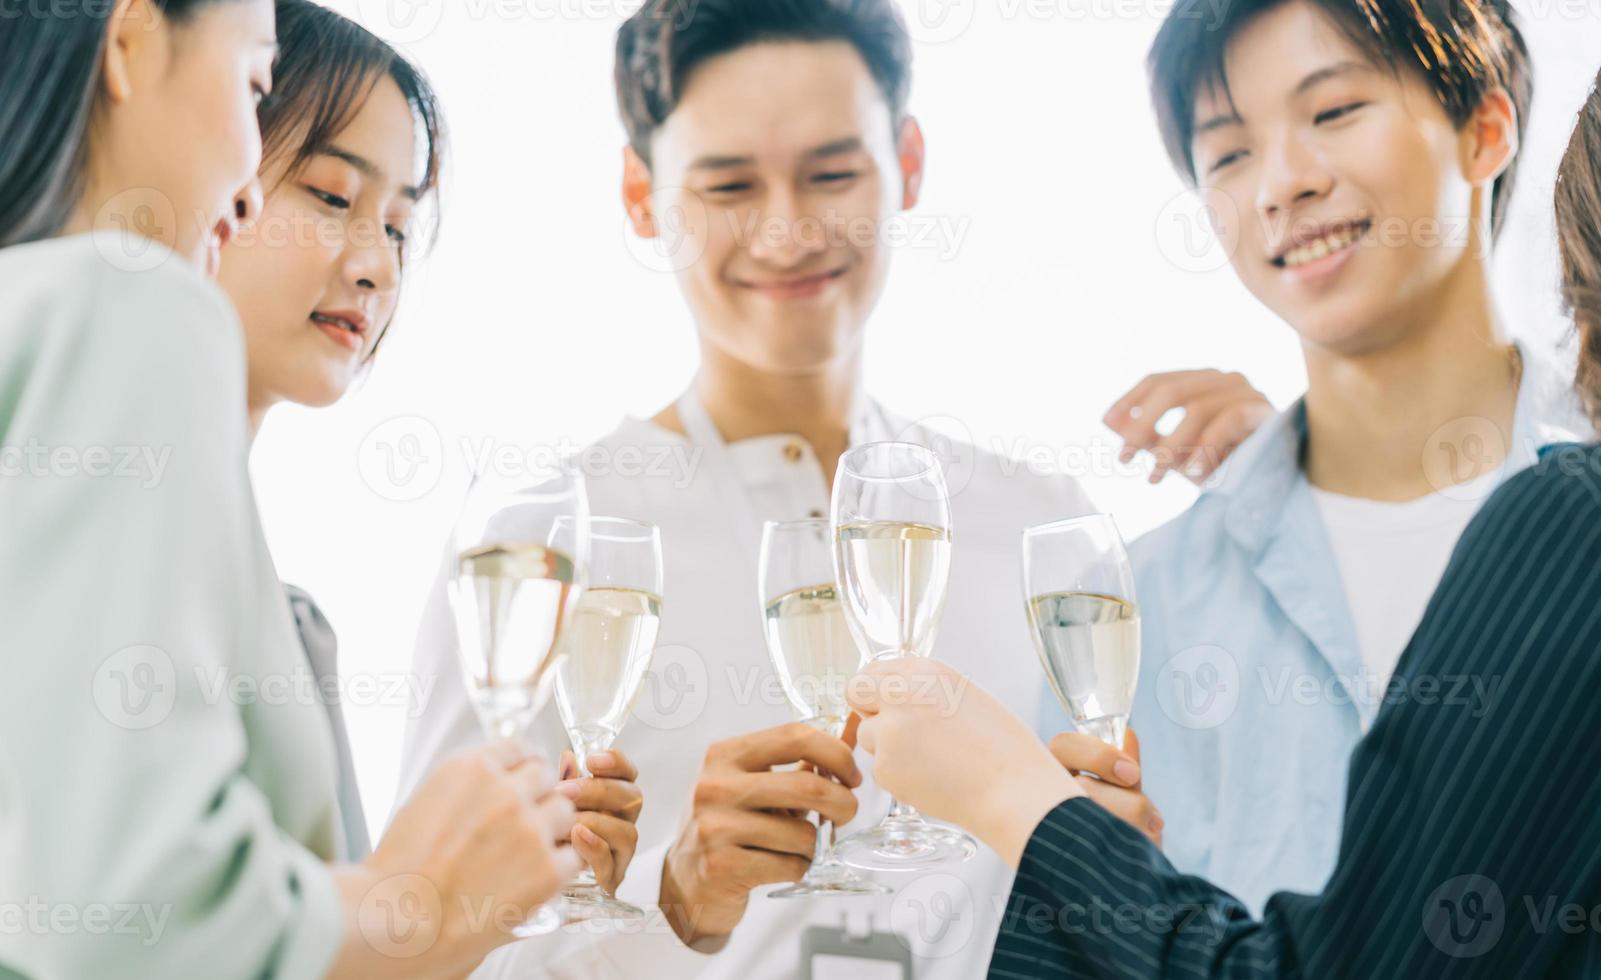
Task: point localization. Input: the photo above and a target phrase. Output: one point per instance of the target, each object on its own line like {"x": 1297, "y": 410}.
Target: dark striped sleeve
{"x": 1471, "y": 844}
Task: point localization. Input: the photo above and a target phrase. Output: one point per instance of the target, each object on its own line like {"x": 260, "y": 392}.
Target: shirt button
{"x": 816, "y": 514}
{"x": 793, "y": 452}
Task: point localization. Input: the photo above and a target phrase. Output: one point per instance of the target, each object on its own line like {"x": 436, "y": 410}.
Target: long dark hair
{"x": 1578, "y": 208}
{"x": 49, "y": 75}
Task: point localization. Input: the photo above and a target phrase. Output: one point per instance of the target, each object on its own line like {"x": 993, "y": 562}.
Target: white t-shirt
{"x": 1391, "y": 556}
{"x": 710, "y": 679}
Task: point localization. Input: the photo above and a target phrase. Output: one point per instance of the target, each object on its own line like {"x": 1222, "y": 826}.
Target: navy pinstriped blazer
{"x": 1472, "y": 833}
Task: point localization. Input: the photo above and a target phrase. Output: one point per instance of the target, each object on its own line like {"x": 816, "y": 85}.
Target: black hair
{"x": 50, "y": 61}
{"x": 327, "y": 67}
{"x": 1464, "y": 49}
{"x": 665, "y": 40}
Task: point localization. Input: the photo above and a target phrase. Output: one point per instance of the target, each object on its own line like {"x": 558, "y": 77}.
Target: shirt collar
{"x": 1258, "y": 479}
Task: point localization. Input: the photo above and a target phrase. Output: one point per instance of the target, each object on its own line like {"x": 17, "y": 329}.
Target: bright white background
{"x": 1060, "y": 277}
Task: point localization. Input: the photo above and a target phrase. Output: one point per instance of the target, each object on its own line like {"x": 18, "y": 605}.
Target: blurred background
{"x": 1054, "y": 260}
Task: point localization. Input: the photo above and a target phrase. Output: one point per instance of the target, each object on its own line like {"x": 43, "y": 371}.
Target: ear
{"x": 130, "y": 29}
{"x": 911, "y": 156}
{"x": 1490, "y": 138}
{"x": 637, "y": 194}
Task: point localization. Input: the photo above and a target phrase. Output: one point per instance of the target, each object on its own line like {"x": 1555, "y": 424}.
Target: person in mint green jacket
{"x": 167, "y": 798}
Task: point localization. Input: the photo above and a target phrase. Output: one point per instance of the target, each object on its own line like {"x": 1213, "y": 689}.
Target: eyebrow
{"x": 367, "y": 168}
{"x": 1305, "y": 85}
{"x": 847, "y": 144}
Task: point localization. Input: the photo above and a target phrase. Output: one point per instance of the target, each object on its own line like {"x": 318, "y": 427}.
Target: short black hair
{"x": 1464, "y": 49}
{"x": 665, "y": 40}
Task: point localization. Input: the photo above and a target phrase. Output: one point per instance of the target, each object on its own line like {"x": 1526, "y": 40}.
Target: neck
{"x": 1390, "y": 423}
{"x": 256, "y": 409}
{"x": 745, "y": 402}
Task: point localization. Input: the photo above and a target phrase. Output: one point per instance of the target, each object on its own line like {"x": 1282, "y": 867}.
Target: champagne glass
{"x": 892, "y": 556}
{"x": 606, "y": 653}
{"x": 1080, "y": 591}
{"x": 514, "y": 596}
{"x": 815, "y": 656}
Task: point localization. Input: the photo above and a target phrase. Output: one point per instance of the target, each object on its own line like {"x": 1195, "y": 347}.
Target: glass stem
{"x": 824, "y": 855}
{"x": 900, "y": 811}
{"x": 585, "y": 877}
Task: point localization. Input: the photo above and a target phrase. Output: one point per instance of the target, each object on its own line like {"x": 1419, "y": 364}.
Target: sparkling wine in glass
{"x": 892, "y": 556}
{"x": 1080, "y": 591}
{"x": 514, "y": 596}
{"x": 815, "y": 656}
{"x": 607, "y": 650}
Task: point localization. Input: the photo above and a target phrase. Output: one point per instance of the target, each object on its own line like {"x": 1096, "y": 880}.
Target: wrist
{"x": 1018, "y": 812}
{"x": 684, "y": 918}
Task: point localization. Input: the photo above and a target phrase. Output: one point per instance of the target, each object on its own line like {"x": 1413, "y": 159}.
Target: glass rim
{"x": 1062, "y": 525}
{"x": 646, "y": 529}
{"x": 797, "y": 523}
{"x": 933, "y": 466}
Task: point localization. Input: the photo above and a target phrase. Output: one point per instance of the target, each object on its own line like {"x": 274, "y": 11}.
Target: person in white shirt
{"x": 163, "y": 810}
{"x": 764, "y": 137}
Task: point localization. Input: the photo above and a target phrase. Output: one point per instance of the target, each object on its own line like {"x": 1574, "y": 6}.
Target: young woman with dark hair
{"x": 152, "y": 781}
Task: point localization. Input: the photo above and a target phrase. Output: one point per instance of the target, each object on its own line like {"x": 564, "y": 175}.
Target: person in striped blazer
{"x": 1471, "y": 842}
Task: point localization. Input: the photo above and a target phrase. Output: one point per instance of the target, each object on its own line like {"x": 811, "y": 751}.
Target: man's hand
{"x": 608, "y": 805}
{"x": 747, "y": 826}
{"x": 1220, "y": 412}
{"x": 1117, "y": 786}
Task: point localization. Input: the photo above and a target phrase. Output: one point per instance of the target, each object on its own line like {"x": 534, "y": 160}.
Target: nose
{"x": 1291, "y": 175}
{"x": 372, "y": 259}
{"x": 786, "y": 235}
{"x": 247, "y": 203}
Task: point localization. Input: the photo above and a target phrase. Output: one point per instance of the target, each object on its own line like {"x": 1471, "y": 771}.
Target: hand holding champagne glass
{"x": 514, "y": 596}
{"x": 815, "y": 656}
{"x": 606, "y": 652}
{"x": 892, "y": 554}
{"x": 1080, "y": 592}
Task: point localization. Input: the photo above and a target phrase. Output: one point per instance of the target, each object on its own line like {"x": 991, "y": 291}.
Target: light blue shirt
{"x": 1252, "y": 690}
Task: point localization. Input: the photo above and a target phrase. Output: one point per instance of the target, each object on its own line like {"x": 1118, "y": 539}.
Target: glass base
{"x": 905, "y": 844}
{"x": 582, "y": 902}
{"x": 832, "y": 878}
{"x": 546, "y": 920}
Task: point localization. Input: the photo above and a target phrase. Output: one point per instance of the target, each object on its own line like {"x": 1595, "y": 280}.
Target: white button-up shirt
{"x": 711, "y": 679}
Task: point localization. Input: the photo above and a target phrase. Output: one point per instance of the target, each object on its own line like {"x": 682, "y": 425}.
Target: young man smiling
{"x": 769, "y": 143}
{"x": 1359, "y": 156}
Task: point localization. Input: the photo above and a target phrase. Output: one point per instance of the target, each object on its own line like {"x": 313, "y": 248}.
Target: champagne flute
{"x": 514, "y": 596}
{"x": 1080, "y": 591}
{"x": 892, "y": 555}
{"x": 815, "y": 656}
{"x": 607, "y": 651}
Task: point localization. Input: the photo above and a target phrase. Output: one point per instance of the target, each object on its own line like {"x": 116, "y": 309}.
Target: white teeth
{"x": 1321, "y": 248}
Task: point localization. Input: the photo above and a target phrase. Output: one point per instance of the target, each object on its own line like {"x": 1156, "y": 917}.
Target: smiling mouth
{"x": 800, "y": 285}
{"x": 339, "y": 322}
{"x": 1329, "y": 241}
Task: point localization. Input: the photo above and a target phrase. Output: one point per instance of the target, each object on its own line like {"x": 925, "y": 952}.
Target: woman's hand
{"x": 473, "y": 855}
{"x": 608, "y": 804}
{"x": 945, "y": 746}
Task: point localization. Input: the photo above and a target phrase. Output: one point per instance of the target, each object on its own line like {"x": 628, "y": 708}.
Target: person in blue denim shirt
{"x": 1359, "y": 190}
